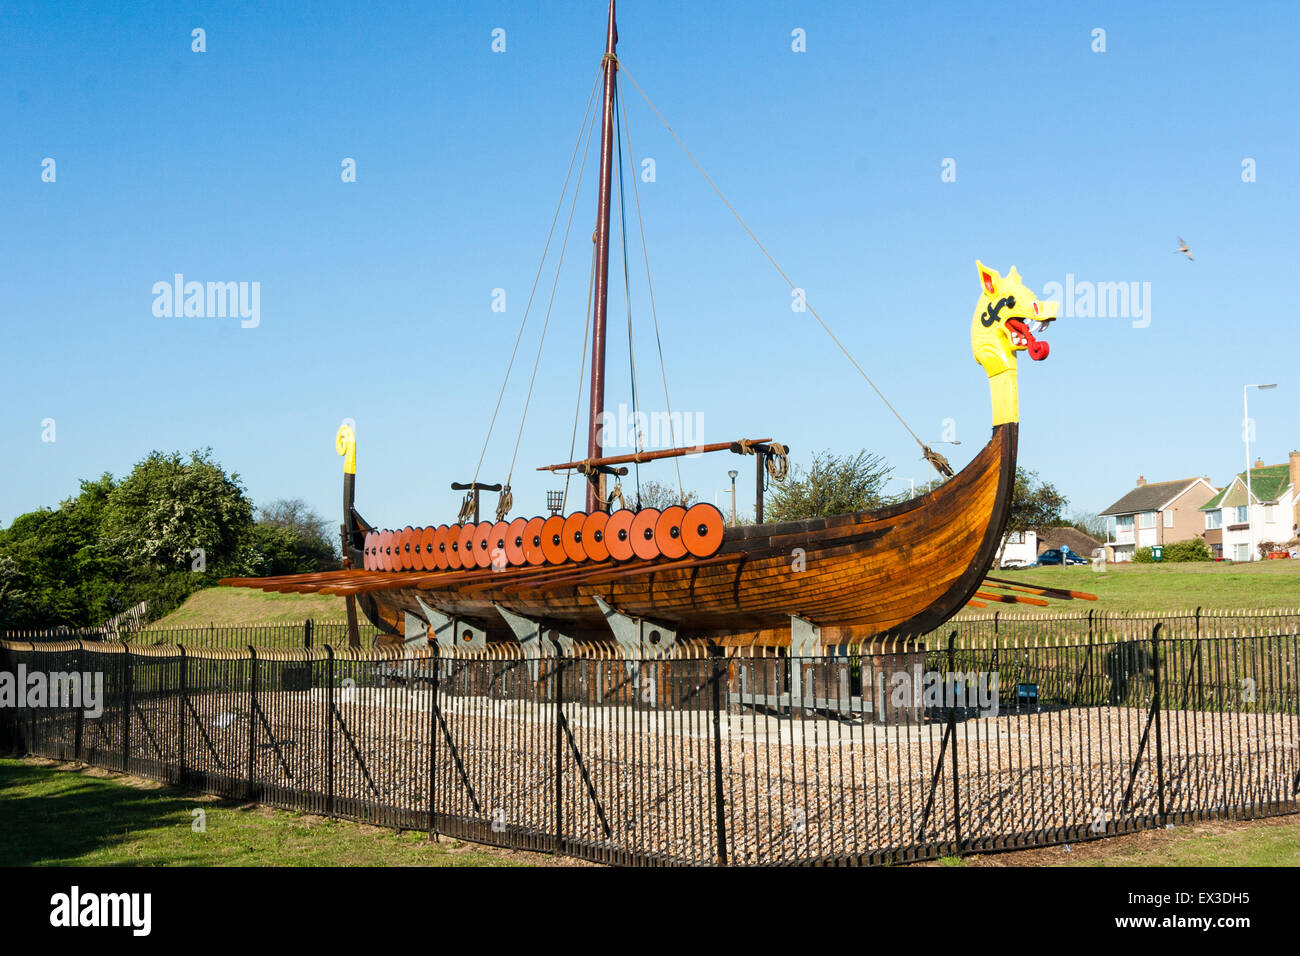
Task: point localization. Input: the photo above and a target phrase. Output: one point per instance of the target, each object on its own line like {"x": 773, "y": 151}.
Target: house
{"x": 1272, "y": 511}
{"x": 1024, "y": 547}
{"x": 1068, "y": 537}
{"x": 1156, "y": 512}
{"x": 1018, "y": 549}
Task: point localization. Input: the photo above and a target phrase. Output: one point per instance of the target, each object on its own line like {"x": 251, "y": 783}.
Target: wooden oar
{"x": 1010, "y": 599}
{"x": 1043, "y": 589}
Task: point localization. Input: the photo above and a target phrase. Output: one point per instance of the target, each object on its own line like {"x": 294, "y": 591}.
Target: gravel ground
{"x": 794, "y": 789}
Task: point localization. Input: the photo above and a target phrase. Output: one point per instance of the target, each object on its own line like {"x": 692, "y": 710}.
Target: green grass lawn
{"x": 231, "y": 606}
{"x": 57, "y": 814}
{"x": 1166, "y": 587}
{"x": 1269, "y": 842}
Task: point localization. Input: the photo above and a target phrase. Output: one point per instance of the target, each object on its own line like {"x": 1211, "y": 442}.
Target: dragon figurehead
{"x": 1007, "y": 318}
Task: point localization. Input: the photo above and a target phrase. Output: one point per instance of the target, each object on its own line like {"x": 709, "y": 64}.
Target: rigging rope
{"x": 591, "y": 97}
{"x": 564, "y": 245}
{"x": 645, "y": 254}
{"x": 931, "y": 456}
{"x": 582, "y": 368}
{"x": 627, "y": 289}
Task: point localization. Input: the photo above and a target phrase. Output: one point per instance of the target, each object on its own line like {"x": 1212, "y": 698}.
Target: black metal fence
{"x": 862, "y": 754}
{"x": 283, "y": 635}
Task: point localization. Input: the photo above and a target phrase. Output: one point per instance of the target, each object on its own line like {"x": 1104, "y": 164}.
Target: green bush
{"x": 1142, "y": 556}
{"x": 1191, "y": 550}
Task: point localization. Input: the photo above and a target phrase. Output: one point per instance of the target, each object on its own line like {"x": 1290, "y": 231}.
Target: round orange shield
{"x": 618, "y": 535}
{"x": 365, "y": 550}
{"x": 515, "y": 542}
{"x": 643, "y": 533}
{"x": 533, "y": 552}
{"x": 593, "y": 536}
{"x": 483, "y": 544}
{"x": 440, "y": 548}
{"x": 497, "y": 557}
{"x": 427, "y": 536}
{"x": 573, "y": 536}
{"x": 385, "y": 548}
{"x": 668, "y": 532}
{"x": 553, "y": 540}
{"x": 465, "y": 544}
{"x": 410, "y": 538}
{"x": 702, "y": 530}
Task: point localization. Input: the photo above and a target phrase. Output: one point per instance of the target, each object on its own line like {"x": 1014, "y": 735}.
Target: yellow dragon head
{"x": 1007, "y": 318}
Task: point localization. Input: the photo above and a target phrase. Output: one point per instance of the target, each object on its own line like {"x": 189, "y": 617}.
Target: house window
{"x": 1147, "y": 519}
{"x": 1268, "y": 512}
{"x": 1240, "y": 552}
{"x": 1242, "y": 516}
{"x": 1169, "y": 519}
{"x": 1213, "y": 520}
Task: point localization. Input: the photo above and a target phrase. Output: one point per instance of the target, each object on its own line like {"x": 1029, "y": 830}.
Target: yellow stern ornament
{"x": 1007, "y": 318}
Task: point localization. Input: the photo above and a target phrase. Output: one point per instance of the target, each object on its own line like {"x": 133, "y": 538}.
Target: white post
{"x": 1250, "y": 527}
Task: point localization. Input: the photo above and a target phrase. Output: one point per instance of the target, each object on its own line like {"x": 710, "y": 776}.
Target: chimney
{"x": 1141, "y": 481}
{"x": 1259, "y": 463}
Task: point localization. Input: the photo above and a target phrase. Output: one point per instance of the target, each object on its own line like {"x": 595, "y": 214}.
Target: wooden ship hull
{"x": 901, "y": 569}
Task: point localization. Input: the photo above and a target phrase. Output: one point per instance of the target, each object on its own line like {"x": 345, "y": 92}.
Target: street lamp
{"x": 1245, "y": 433}
{"x": 911, "y": 482}
{"x": 732, "y": 475}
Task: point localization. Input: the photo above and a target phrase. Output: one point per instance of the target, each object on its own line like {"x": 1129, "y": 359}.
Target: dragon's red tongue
{"x": 1038, "y": 350}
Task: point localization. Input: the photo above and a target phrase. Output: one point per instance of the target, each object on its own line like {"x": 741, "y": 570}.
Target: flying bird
{"x": 1182, "y": 247}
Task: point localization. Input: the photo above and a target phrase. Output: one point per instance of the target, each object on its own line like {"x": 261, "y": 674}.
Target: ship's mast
{"x": 595, "y": 446}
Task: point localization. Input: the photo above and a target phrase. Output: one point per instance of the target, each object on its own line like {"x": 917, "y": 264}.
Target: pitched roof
{"x": 1267, "y": 484}
{"x": 1149, "y": 497}
{"x": 1078, "y": 542}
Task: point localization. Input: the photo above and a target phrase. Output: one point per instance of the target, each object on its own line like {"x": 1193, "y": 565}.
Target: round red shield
{"x": 573, "y": 536}
{"x": 440, "y": 548}
{"x": 593, "y": 536}
{"x": 553, "y": 540}
{"x": 643, "y": 533}
{"x": 618, "y": 535}
{"x": 427, "y": 536}
{"x": 483, "y": 544}
{"x": 465, "y": 544}
{"x": 497, "y": 555}
{"x": 668, "y": 532}
{"x": 702, "y": 530}
{"x": 515, "y": 542}
{"x": 533, "y": 552}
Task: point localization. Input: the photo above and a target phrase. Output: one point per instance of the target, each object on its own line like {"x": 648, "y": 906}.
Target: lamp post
{"x": 732, "y": 475}
{"x": 911, "y": 482}
{"x": 1245, "y": 433}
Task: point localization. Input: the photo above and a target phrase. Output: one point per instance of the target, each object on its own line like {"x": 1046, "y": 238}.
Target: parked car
{"x": 1056, "y": 556}
{"x": 1012, "y": 564}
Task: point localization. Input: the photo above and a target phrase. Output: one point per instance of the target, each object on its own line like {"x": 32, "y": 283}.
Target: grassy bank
{"x": 1167, "y": 587}
{"x": 56, "y": 814}
{"x": 233, "y": 606}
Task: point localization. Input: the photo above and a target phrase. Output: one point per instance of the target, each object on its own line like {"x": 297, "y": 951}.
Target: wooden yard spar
{"x": 646, "y": 577}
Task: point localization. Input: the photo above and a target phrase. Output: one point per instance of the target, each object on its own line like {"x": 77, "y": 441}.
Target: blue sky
{"x": 376, "y": 296}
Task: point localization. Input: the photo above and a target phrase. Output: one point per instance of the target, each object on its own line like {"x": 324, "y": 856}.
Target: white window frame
{"x": 1241, "y": 552}
{"x": 1242, "y": 514}
{"x": 1169, "y": 517}
{"x": 1147, "y": 519}
{"x": 1213, "y": 520}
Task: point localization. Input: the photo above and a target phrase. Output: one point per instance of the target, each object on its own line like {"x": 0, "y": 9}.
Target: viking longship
{"x": 645, "y": 576}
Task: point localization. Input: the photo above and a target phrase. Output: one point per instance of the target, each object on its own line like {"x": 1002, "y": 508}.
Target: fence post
{"x": 80, "y": 714}
{"x": 559, "y": 749}
{"x": 433, "y": 735}
{"x": 329, "y": 730}
{"x": 952, "y": 727}
{"x": 126, "y": 712}
{"x": 252, "y": 720}
{"x": 1155, "y": 690}
{"x": 185, "y": 708}
{"x": 306, "y": 633}
{"x": 715, "y": 652}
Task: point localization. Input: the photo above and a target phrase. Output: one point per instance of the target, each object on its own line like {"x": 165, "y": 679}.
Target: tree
{"x": 1035, "y": 505}
{"x": 1090, "y": 523}
{"x": 831, "y": 485}
{"x": 290, "y": 538}
{"x": 654, "y": 494}
{"x": 168, "y": 508}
